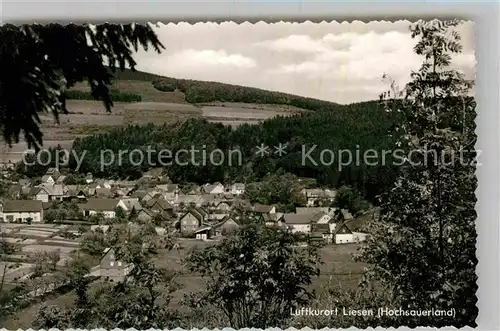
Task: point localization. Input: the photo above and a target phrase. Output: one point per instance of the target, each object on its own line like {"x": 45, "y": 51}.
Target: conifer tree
{"x": 38, "y": 62}
{"x": 422, "y": 248}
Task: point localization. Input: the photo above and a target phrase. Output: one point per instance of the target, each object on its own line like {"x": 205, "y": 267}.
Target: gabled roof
{"x": 258, "y": 208}
{"x": 12, "y": 206}
{"x": 147, "y": 211}
{"x": 53, "y": 189}
{"x": 162, "y": 203}
{"x": 225, "y": 220}
{"x": 202, "y": 211}
{"x": 138, "y": 194}
{"x": 342, "y": 228}
{"x": 168, "y": 188}
{"x": 132, "y": 203}
{"x": 207, "y": 188}
{"x": 292, "y": 218}
{"x": 229, "y": 203}
{"x": 100, "y": 204}
{"x": 195, "y": 212}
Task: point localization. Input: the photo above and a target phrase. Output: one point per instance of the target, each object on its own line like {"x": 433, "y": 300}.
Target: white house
{"x": 42, "y": 194}
{"x": 23, "y": 211}
{"x": 344, "y": 235}
{"x": 304, "y": 222}
{"x": 107, "y": 207}
{"x": 238, "y": 188}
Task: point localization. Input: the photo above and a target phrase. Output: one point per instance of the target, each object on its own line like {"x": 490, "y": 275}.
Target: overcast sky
{"x": 340, "y": 62}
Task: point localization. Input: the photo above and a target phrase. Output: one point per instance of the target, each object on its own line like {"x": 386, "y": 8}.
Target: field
{"x": 31, "y": 239}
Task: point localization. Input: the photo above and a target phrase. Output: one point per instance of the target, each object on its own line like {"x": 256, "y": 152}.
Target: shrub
{"x": 165, "y": 87}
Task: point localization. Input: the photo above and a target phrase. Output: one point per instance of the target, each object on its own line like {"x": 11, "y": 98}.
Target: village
{"x": 52, "y": 216}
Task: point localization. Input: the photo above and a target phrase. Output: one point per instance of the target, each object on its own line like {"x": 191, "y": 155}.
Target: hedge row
{"x": 115, "y": 96}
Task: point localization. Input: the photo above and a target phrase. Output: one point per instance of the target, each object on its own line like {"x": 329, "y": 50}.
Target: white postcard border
{"x": 485, "y": 15}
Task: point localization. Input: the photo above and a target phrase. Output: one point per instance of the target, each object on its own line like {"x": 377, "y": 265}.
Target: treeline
{"x": 201, "y": 91}
{"x": 115, "y": 96}
{"x": 313, "y": 141}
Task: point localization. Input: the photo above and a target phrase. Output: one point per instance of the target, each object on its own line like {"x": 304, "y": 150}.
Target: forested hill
{"x": 361, "y": 127}
{"x": 205, "y": 91}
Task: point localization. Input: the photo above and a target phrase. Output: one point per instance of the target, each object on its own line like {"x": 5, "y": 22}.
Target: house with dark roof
{"x": 23, "y": 211}
{"x": 159, "y": 205}
{"x": 263, "y": 209}
{"x": 192, "y": 220}
{"x": 225, "y": 226}
{"x": 107, "y": 207}
{"x": 48, "y": 179}
{"x": 77, "y": 192}
{"x": 321, "y": 231}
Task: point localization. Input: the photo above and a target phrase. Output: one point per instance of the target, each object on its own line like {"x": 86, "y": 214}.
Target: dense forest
{"x": 357, "y": 127}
